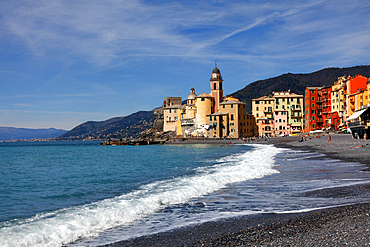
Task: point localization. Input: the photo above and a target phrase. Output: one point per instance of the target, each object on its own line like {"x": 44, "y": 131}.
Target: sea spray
{"x": 69, "y": 224}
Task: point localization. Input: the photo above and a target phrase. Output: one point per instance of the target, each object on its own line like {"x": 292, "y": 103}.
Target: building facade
{"x": 329, "y": 107}
{"x": 209, "y": 115}
{"x": 170, "y": 108}
{"x": 278, "y": 114}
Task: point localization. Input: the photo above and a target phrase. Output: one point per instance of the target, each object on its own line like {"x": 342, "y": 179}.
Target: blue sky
{"x": 66, "y": 62}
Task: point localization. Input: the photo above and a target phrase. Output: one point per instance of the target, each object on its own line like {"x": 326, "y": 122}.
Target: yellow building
{"x": 204, "y": 103}
{"x": 338, "y": 99}
{"x": 278, "y": 114}
{"x": 262, "y": 110}
{"x": 210, "y": 115}
{"x": 170, "y": 108}
{"x": 231, "y": 120}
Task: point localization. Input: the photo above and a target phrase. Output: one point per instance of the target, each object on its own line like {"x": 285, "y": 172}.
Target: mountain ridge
{"x": 132, "y": 125}
{"x": 116, "y": 127}
{"x": 296, "y": 83}
{"x": 13, "y": 133}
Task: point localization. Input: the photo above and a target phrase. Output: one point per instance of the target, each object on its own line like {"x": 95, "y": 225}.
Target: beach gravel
{"x": 347, "y": 225}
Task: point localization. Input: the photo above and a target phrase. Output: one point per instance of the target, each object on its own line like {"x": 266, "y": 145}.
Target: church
{"x": 208, "y": 115}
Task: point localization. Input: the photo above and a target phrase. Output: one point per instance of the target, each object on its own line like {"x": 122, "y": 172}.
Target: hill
{"x": 297, "y": 83}
{"x": 134, "y": 124}
{"x": 11, "y": 133}
{"x": 118, "y": 127}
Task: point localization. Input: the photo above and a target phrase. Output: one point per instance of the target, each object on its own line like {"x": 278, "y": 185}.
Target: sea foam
{"x": 70, "y": 224}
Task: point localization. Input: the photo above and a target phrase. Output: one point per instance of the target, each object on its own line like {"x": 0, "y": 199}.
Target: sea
{"x": 83, "y": 194}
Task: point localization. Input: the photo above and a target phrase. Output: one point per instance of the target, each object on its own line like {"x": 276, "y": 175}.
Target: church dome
{"x": 216, "y": 70}
{"x": 192, "y": 94}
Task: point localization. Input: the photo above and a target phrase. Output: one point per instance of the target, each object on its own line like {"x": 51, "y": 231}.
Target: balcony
{"x": 296, "y": 109}
{"x": 318, "y": 102}
{"x": 187, "y": 122}
{"x": 359, "y": 123}
{"x": 296, "y": 116}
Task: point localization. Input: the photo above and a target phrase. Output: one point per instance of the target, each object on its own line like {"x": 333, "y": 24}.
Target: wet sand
{"x": 343, "y": 225}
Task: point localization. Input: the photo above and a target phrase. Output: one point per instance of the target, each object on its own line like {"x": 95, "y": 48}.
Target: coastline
{"x": 341, "y": 225}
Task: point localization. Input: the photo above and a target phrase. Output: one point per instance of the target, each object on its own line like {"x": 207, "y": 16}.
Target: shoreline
{"x": 340, "y": 225}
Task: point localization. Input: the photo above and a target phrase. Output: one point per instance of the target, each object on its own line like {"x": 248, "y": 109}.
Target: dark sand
{"x": 345, "y": 225}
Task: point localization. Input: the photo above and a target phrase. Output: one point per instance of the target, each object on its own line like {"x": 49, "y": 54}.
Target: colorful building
{"x": 329, "y": 107}
{"x": 231, "y": 120}
{"x": 313, "y": 109}
{"x": 262, "y": 110}
{"x": 288, "y": 108}
{"x": 170, "y": 107}
{"x": 210, "y": 115}
{"x": 278, "y": 114}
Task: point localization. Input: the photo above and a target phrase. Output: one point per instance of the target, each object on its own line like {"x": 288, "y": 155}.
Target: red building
{"x": 328, "y": 107}
{"x": 313, "y": 109}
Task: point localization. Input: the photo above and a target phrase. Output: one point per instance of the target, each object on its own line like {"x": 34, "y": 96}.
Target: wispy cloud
{"x": 23, "y": 105}
{"x": 111, "y": 30}
{"x": 47, "y": 96}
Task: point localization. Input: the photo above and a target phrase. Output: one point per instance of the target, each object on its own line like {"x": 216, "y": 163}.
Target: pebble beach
{"x": 347, "y": 225}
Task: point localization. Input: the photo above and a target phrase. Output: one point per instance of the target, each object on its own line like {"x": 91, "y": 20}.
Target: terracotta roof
{"x": 217, "y": 114}
{"x": 204, "y": 95}
{"x": 231, "y": 102}
{"x": 264, "y": 98}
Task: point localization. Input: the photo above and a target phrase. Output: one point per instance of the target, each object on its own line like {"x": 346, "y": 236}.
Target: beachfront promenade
{"x": 345, "y": 225}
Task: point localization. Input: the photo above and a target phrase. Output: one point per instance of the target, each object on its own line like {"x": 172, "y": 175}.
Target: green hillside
{"x": 134, "y": 124}
{"x": 118, "y": 127}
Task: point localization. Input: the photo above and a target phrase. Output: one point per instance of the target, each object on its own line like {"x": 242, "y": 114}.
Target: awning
{"x": 356, "y": 114}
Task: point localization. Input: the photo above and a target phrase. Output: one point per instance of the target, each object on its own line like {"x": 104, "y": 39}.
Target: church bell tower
{"x": 216, "y": 87}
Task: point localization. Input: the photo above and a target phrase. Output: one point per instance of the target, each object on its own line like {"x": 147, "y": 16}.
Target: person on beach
{"x": 329, "y": 139}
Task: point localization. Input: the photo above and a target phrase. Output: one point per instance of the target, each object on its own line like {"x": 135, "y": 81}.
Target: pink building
{"x": 281, "y": 125}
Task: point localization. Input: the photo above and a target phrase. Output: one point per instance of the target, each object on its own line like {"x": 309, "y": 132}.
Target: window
{"x": 214, "y": 118}
{"x": 210, "y": 118}
{"x": 298, "y": 101}
{"x": 170, "y": 110}
{"x": 232, "y": 105}
{"x": 232, "y": 117}
{"x": 169, "y": 119}
{"x": 223, "y": 106}
{"x": 203, "y": 99}
{"x": 257, "y": 108}
{"x": 313, "y": 105}
{"x": 313, "y": 98}
{"x": 175, "y": 110}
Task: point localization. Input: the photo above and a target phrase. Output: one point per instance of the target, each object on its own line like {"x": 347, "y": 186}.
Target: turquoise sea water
{"x": 82, "y": 194}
